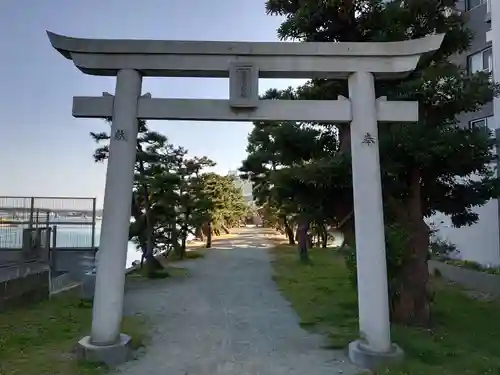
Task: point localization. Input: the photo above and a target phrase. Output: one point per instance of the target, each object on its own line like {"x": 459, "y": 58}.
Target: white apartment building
{"x": 480, "y": 242}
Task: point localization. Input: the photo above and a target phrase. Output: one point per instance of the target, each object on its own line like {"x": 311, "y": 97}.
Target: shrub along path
{"x": 226, "y": 316}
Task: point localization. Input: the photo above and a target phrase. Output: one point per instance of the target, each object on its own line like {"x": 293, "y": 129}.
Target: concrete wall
{"x": 8, "y": 256}
{"x": 479, "y": 242}
{"x": 17, "y": 255}
{"x": 23, "y": 284}
{"x": 469, "y": 279}
{"x": 61, "y": 259}
{"x": 68, "y": 260}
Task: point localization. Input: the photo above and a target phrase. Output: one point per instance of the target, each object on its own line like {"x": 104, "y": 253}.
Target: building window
{"x": 481, "y": 61}
{"x": 471, "y": 4}
{"x": 481, "y": 122}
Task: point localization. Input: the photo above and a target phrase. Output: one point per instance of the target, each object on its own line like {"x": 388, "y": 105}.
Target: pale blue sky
{"x": 43, "y": 150}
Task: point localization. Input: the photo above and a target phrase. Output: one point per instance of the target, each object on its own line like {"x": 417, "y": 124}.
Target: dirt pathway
{"x": 227, "y": 317}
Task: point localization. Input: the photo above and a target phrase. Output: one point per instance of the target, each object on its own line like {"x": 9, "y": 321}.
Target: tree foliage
{"x": 302, "y": 170}
{"x": 174, "y": 197}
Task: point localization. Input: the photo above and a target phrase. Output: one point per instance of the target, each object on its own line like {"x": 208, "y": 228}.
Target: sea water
{"x": 69, "y": 236}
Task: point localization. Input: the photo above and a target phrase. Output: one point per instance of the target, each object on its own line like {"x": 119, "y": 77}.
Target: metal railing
{"x": 55, "y": 232}
{"x": 72, "y": 220}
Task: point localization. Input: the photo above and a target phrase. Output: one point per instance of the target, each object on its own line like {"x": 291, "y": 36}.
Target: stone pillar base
{"x": 111, "y": 355}
{"x": 366, "y": 359}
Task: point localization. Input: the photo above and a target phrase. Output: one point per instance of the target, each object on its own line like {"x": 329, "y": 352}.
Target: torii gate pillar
{"x": 244, "y": 63}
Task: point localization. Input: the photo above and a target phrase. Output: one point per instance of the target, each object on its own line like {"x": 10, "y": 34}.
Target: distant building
{"x": 245, "y": 186}
{"x": 481, "y": 241}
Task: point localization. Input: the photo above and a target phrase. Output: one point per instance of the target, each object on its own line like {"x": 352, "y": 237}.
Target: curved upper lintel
{"x": 273, "y": 59}
{"x": 57, "y": 42}
{"x": 67, "y": 45}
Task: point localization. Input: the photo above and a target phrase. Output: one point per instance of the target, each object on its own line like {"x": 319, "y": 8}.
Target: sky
{"x": 44, "y": 151}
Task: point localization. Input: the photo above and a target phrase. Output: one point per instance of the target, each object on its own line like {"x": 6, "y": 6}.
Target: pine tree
{"x": 426, "y": 167}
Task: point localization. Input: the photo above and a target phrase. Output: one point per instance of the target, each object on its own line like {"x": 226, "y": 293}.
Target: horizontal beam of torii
{"x": 220, "y": 109}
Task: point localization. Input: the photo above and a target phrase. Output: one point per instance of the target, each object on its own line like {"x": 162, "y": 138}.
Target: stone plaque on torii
{"x": 244, "y": 63}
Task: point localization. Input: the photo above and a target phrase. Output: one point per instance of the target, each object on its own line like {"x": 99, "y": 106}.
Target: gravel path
{"x": 226, "y": 318}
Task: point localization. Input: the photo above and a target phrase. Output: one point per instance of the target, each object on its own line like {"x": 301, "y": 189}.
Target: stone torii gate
{"x": 244, "y": 63}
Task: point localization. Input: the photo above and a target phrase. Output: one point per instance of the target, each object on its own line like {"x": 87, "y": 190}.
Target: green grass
{"x": 189, "y": 255}
{"x": 167, "y": 271}
{"x": 40, "y": 339}
{"x": 465, "y": 339}
{"x": 473, "y": 266}
{"x": 159, "y": 274}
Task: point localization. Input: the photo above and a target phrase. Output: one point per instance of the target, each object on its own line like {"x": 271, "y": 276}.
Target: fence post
{"x": 46, "y": 245}
{"x": 32, "y": 209}
{"x": 54, "y": 236}
{"x": 53, "y": 250}
{"x": 92, "y": 243}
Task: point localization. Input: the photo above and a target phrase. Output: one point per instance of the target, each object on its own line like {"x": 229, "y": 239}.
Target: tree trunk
{"x": 209, "y": 236}
{"x": 137, "y": 215}
{"x": 303, "y": 240}
{"x": 205, "y": 228}
{"x": 174, "y": 236}
{"x": 345, "y": 138}
{"x": 184, "y": 233}
{"x": 310, "y": 240}
{"x": 288, "y": 231}
{"x": 146, "y": 250}
{"x": 348, "y": 230}
{"x": 324, "y": 236}
{"x": 152, "y": 265}
{"x": 413, "y": 303}
{"x": 182, "y": 252}
{"x": 198, "y": 233}
{"x": 135, "y": 210}
{"x": 225, "y": 229}
{"x": 143, "y": 247}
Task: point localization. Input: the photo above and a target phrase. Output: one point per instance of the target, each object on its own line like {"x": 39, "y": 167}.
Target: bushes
{"x": 396, "y": 241}
{"x": 471, "y": 265}
{"x": 442, "y": 249}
